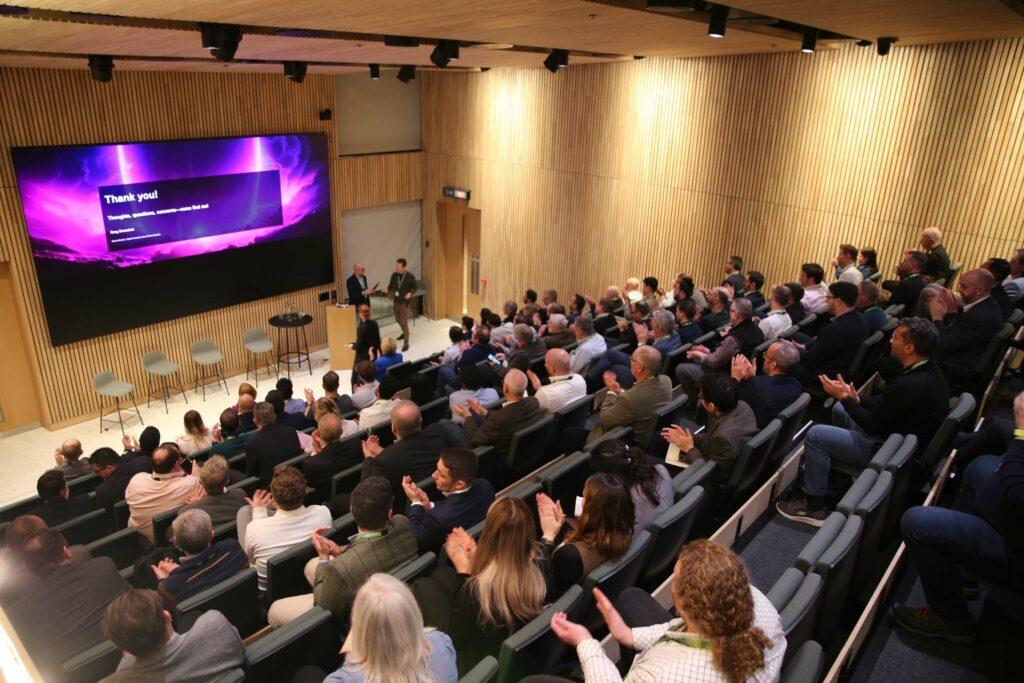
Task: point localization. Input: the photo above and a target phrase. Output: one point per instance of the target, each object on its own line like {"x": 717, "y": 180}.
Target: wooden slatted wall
{"x": 600, "y": 172}
{"x": 53, "y": 107}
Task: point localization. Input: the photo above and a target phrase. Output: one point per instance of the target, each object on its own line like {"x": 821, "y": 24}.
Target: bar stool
{"x": 155, "y": 364}
{"x": 256, "y": 342}
{"x": 206, "y": 355}
{"x": 107, "y": 385}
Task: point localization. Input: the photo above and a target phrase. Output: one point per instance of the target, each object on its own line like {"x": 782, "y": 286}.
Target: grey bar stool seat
{"x": 156, "y": 365}
{"x": 108, "y": 386}
{"x": 256, "y": 343}
{"x": 207, "y": 363}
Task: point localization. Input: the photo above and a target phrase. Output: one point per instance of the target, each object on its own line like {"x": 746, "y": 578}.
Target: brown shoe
{"x": 405, "y": 346}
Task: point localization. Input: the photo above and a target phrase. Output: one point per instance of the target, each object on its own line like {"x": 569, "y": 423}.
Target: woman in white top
{"x": 196, "y": 436}
{"x": 727, "y": 630}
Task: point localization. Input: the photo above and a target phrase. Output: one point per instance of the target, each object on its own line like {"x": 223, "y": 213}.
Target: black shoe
{"x": 797, "y": 509}
{"x": 925, "y": 622}
{"x": 401, "y": 337}
{"x": 405, "y": 346}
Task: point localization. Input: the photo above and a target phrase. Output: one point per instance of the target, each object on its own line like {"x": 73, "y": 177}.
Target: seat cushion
{"x": 260, "y": 346}
{"x": 115, "y": 389}
{"x": 207, "y": 357}
{"x": 164, "y": 367}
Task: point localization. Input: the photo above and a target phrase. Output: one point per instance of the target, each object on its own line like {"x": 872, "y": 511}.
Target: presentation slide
{"x": 223, "y": 220}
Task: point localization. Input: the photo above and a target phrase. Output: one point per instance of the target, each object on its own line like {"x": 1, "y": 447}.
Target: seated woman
{"x": 388, "y": 355}
{"x": 602, "y": 532}
{"x": 477, "y": 384}
{"x": 867, "y": 262}
{"x": 649, "y": 483}
{"x": 196, "y": 437}
{"x": 492, "y": 587}
{"x": 727, "y": 630}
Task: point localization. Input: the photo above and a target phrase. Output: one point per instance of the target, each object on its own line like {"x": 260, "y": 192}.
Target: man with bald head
{"x": 246, "y": 422}
{"x": 414, "y": 452}
{"x": 496, "y": 427}
{"x": 965, "y": 329}
{"x": 70, "y": 461}
{"x": 358, "y": 289}
{"x": 635, "y": 407}
{"x": 564, "y": 387}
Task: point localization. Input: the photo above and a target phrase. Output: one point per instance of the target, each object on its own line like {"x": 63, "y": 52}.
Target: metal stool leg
{"x": 101, "y": 414}
{"x": 131, "y": 395}
{"x": 305, "y": 345}
{"x": 149, "y": 392}
{"x": 120, "y": 419}
{"x": 220, "y": 368}
{"x": 181, "y": 385}
{"x": 167, "y": 393}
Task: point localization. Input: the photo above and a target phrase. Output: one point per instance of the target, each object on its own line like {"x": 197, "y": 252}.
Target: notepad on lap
{"x": 674, "y": 457}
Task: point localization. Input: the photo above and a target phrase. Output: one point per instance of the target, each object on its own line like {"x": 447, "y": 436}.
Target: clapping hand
{"x": 197, "y": 492}
{"x": 552, "y": 518}
{"x": 414, "y": 493}
{"x": 570, "y": 633}
{"x": 611, "y": 380}
{"x": 838, "y": 388}
{"x": 460, "y": 548}
{"x": 163, "y": 568}
{"x": 682, "y": 438}
{"x": 475, "y": 406}
{"x": 616, "y": 626}
{"x": 325, "y": 547}
{"x": 372, "y": 447}
{"x": 641, "y": 332}
{"x": 460, "y": 410}
{"x": 742, "y": 368}
{"x": 58, "y": 456}
{"x": 260, "y": 499}
{"x": 309, "y": 397}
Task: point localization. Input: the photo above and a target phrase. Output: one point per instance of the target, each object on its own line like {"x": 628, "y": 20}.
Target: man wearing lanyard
{"x": 916, "y": 402}
{"x": 401, "y": 288}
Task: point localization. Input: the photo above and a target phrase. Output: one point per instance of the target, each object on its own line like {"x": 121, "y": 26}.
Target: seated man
{"x": 639, "y": 314}
{"x": 636, "y": 406}
{"x": 795, "y": 309}
{"x": 331, "y": 382}
{"x": 525, "y": 348}
{"x": 964, "y": 331}
{"x": 165, "y": 489}
{"x": 604, "y": 320}
{"x": 246, "y": 419}
{"x": 662, "y": 336}
{"x": 930, "y": 242}
{"x": 479, "y": 350}
{"x": 203, "y": 564}
{"x": 15, "y": 576}
{"x": 496, "y": 427}
{"x": 1014, "y": 284}
{"x": 815, "y": 291}
{"x": 296, "y": 421}
{"x": 1000, "y": 270}
{"x": 771, "y": 392}
{"x": 687, "y": 317}
{"x": 115, "y": 471}
{"x": 414, "y": 451}
{"x": 451, "y": 354}
{"x": 777, "y": 320}
{"x": 291, "y": 405}
{"x": 380, "y": 410}
{"x": 734, "y": 274}
{"x": 465, "y": 504}
{"x": 563, "y": 388}
{"x": 365, "y": 392}
{"x": 383, "y": 543}
{"x": 214, "y": 498}
{"x": 265, "y": 536}
{"x": 589, "y": 344}
{"x": 743, "y": 338}
{"x": 718, "y": 315}
{"x": 330, "y": 455}
{"x": 832, "y": 352}
{"x": 845, "y": 264}
{"x": 908, "y": 288}
{"x": 228, "y": 441}
{"x": 60, "y": 615}
{"x": 58, "y": 507}
{"x": 731, "y": 423}
{"x": 752, "y": 285}
{"x": 558, "y": 333}
{"x": 138, "y": 623}
{"x": 272, "y": 445}
{"x": 985, "y": 539}
{"x": 867, "y": 304}
{"x": 69, "y": 460}
{"x": 916, "y": 402}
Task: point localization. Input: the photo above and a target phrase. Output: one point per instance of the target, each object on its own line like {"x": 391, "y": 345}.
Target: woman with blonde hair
{"x": 196, "y": 437}
{"x": 727, "y": 630}
{"x": 387, "y": 642}
{"x": 493, "y": 587}
{"x": 387, "y": 357}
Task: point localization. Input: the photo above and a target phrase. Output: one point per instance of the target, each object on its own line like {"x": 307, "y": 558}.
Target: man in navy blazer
{"x": 964, "y": 331}
{"x": 466, "y": 501}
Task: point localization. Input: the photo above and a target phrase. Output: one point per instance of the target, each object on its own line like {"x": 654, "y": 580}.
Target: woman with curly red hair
{"x": 727, "y": 630}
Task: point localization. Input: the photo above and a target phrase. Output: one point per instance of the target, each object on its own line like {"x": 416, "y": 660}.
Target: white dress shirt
{"x": 563, "y": 389}
{"x": 851, "y": 274}
{"x": 1014, "y": 287}
{"x": 773, "y": 324}
{"x": 814, "y": 299}
{"x": 579, "y": 359}
{"x": 267, "y": 536}
{"x": 379, "y": 411}
{"x": 669, "y": 659}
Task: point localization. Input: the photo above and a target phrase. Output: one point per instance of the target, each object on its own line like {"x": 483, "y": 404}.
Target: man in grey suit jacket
{"x": 635, "y": 407}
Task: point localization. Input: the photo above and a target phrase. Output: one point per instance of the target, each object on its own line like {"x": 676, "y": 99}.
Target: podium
{"x": 341, "y": 331}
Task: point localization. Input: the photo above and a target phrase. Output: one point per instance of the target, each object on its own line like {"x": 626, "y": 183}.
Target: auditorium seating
{"x": 313, "y": 638}
{"x": 237, "y": 598}
{"x": 534, "y": 649}
{"x": 669, "y": 532}
{"x": 613, "y": 577}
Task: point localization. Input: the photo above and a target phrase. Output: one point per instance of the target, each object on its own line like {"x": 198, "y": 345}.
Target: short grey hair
{"x": 192, "y": 530}
{"x": 585, "y": 324}
{"x": 524, "y": 333}
{"x": 650, "y": 358}
{"x": 870, "y": 290}
{"x": 557, "y": 322}
{"x": 786, "y": 356}
{"x": 263, "y": 413}
{"x": 743, "y": 308}
{"x": 511, "y": 307}
{"x": 214, "y": 475}
{"x": 663, "y": 320}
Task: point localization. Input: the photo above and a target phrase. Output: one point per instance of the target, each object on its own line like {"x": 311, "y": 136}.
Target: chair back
{"x": 89, "y": 527}
{"x": 383, "y": 432}
{"x": 256, "y": 334}
{"x": 674, "y": 358}
{"x": 93, "y": 664}
{"x": 615, "y": 576}
{"x": 751, "y": 460}
{"x": 797, "y": 598}
{"x": 664, "y": 416}
{"x": 435, "y": 411}
{"x": 414, "y": 569}
{"x": 869, "y": 499}
{"x": 203, "y": 346}
{"x": 573, "y": 414}
{"x": 19, "y": 508}
{"x": 669, "y": 532}
{"x": 162, "y": 522}
{"x": 312, "y": 638}
{"x": 942, "y": 442}
{"x": 832, "y": 553}
{"x": 534, "y": 648}
{"x": 903, "y": 480}
{"x": 153, "y": 358}
{"x": 805, "y": 665}
{"x": 528, "y": 447}
{"x": 402, "y": 372}
{"x": 895, "y": 311}
{"x": 237, "y": 598}
{"x": 792, "y": 419}
{"x": 868, "y": 352}
{"x": 564, "y": 480}
{"x": 103, "y": 379}
{"x": 806, "y": 322}
{"x": 789, "y": 332}
{"x": 123, "y": 547}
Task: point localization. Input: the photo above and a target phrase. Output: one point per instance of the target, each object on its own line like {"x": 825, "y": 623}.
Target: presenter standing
{"x": 401, "y": 288}
{"x": 358, "y": 290}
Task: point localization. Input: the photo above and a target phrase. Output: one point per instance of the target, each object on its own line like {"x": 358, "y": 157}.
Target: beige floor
{"x": 25, "y": 455}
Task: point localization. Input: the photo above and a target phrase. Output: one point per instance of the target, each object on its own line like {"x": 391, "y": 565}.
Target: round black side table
{"x": 292, "y": 352}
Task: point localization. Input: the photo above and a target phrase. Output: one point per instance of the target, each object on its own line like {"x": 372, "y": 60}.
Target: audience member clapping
{"x": 203, "y": 564}
{"x": 197, "y": 435}
{"x": 165, "y": 489}
{"x": 69, "y": 461}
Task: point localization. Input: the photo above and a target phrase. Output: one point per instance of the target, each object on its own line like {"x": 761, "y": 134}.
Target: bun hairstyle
{"x": 712, "y": 588}
{"x": 630, "y": 463}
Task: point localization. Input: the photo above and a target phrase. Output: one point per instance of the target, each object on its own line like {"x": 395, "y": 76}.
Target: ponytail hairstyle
{"x": 630, "y": 463}
{"x": 712, "y": 588}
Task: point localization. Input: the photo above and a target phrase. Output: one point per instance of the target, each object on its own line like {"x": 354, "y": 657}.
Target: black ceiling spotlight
{"x": 209, "y": 34}
{"x": 375, "y": 72}
{"x": 221, "y": 39}
{"x": 884, "y": 44}
{"x": 558, "y": 59}
{"x": 810, "y": 40}
{"x": 101, "y": 67}
{"x": 718, "y": 20}
{"x": 484, "y": 69}
{"x": 438, "y": 56}
{"x": 407, "y": 73}
{"x": 863, "y": 43}
{"x": 451, "y": 49}
{"x": 295, "y": 71}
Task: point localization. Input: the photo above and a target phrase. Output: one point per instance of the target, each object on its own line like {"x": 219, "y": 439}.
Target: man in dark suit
{"x": 1000, "y": 269}
{"x": 400, "y": 289}
{"x": 526, "y": 348}
{"x": 931, "y": 244}
{"x": 57, "y": 506}
{"x": 358, "y": 289}
{"x": 686, "y": 313}
{"x": 465, "y": 504}
{"x": 907, "y": 290}
{"x": 718, "y": 301}
{"x": 60, "y": 616}
{"x": 330, "y": 455}
{"x": 415, "y": 450}
{"x": 116, "y": 471}
{"x": 752, "y": 285}
{"x": 496, "y": 427}
{"x": 297, "y": 421}
{"x": 773, "y": 390}
{"x": 367, "y": 335}
{"x": 964, "y": 331}
{"x": 479, "y": 350}
{"x": 203, "y": 565}
{"x": 271, "y": 446}
{"x": 837, "y": 343}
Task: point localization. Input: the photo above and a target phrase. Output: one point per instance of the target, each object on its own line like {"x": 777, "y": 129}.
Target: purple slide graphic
{"x": 144, "y": 214}
{"x": 69, "y": 220}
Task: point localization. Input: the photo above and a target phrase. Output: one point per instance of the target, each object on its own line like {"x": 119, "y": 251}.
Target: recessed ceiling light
{"x": 494, "y": 46}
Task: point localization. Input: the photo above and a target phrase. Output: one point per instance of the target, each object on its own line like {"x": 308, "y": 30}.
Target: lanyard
{"x": 915, "y": 366}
